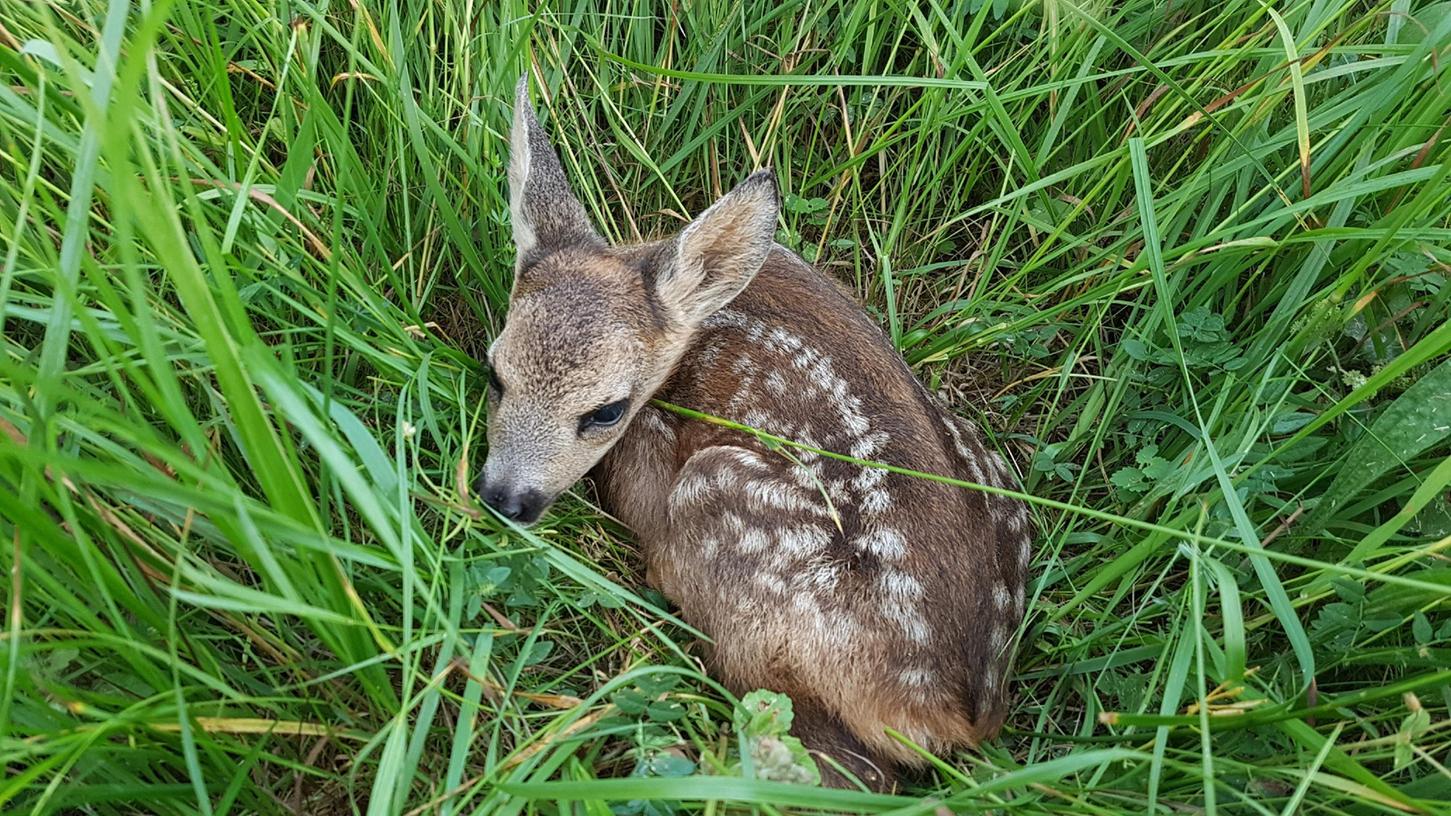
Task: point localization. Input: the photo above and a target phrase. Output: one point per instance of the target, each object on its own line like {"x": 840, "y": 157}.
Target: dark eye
{"x": 604, "y": 416}
{"x": 494, "y": 385}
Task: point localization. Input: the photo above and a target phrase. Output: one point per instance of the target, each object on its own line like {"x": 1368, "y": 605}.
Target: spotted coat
{"x": 876, "y": 600}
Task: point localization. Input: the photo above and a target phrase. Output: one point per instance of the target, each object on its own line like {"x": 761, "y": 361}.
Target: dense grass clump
{"x": 1188, "y": 262}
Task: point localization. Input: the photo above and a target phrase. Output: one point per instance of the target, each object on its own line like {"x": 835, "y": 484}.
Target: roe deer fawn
{"x": 893, "y": 604}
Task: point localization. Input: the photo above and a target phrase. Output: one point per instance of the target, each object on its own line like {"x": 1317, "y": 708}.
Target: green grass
{"x": 1187, "y": 263}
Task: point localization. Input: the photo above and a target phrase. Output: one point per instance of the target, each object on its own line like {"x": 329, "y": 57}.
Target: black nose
{"x": 523, "y": 506}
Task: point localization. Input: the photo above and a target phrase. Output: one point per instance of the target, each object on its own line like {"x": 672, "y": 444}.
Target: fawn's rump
{"x": 762, "y": 569}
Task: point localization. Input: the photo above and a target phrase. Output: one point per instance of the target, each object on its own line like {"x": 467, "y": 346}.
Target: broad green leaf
{"x": 1417, "y": 420}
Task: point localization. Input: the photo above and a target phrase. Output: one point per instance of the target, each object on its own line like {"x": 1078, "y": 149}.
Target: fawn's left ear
{"x": 544, "y": 211}
{"x": 717, "y": 255}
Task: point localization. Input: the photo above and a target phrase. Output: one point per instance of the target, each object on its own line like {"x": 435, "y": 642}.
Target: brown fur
{"x": 955, "y": 544}
{"x": 874, "y": 600}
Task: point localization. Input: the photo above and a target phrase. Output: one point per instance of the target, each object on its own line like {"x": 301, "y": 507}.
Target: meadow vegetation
{"x": 1187, "y": 262}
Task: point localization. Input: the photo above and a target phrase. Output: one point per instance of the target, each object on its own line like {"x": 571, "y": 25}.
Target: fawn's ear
{"x": 718, "y": 254}
{"x": 545, "y": 213}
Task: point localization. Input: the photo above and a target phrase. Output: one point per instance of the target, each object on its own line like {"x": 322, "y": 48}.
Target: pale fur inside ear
{"x": 524, "y": 238}
{"x": 720, "y": 252}
{"x": 543, "y": 210}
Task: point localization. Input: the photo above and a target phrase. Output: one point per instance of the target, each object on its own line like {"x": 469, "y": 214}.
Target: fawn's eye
{"x": 604, "y": 416}
{"x": 494, "y": 385}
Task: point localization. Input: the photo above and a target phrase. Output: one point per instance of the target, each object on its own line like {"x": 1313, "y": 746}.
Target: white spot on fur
{"x": 733, "y": 522}
{"x": 1018, "y": 598}
{"x": 970, "y": 457}
{"x": 956, "y": 433}
{"x": 725, "y": 319}
{"x": 689, "y": 490}
{"x": 974, "y": 473}
{"x": 775, "y": 383}
{"x": 886, "y": 544}
{"x": 785, "y": 341}
{"x": 1000, "y": 466}
{"x": 1020, "y": 516}
{"x": 754, "y": 540}
{"x": 912, "y": 626}
{"x": 770, "y": 582}
{"x": 776, "y": 494}
{"x": 758, "y": 419}
{"x": 999, "y": 640}
{"x": 810, "y": 619}
{"x": 707, "y": 356}
{"x": 748, "y": 459}
{"x": 822, "y": 374}
{"x": 866, "y": 447}
{"x": 1001, "y": 596}
{"x": 821, "y": 578}
{"x": 805, "y": 604}
{"x": 840, "y": 630}
{"x": 917, "y": 677}
{"x": 807, "y": 476}
{"x": 763, "y": 493}
{"x": 819, "y": 371}
{"x": 899, "y": 583}
{"x": 805, "y": 358}
{"x": 852, "y": 418}
{"x": 867, "y": 479}
{"x": 876, "y": 502}
{"x": 805, "y": 437}
{"x": 822, "y": 631}
{"x": 803, "y": 540}
{"x": 901, "y": 593}
{"x": 1025, "y": 553}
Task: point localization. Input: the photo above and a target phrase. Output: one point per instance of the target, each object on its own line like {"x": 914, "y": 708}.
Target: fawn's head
{"x": 593, "y": 330}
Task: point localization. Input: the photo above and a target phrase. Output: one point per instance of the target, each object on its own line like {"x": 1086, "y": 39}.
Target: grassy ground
{"x": 1188, "y": 262}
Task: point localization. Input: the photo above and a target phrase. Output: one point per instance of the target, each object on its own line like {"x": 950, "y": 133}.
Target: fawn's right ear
{"x": 544, "y": 211}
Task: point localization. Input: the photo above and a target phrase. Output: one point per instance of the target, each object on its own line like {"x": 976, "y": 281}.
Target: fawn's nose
{"x": 523, "y": 506}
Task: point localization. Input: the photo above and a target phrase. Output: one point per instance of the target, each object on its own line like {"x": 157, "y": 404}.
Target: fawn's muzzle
{"x": 522, "y": 506}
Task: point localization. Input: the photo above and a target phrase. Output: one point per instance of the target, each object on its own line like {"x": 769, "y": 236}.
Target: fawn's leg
{"x": 727, "y": 558}
{"x": 825, "y": 736}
